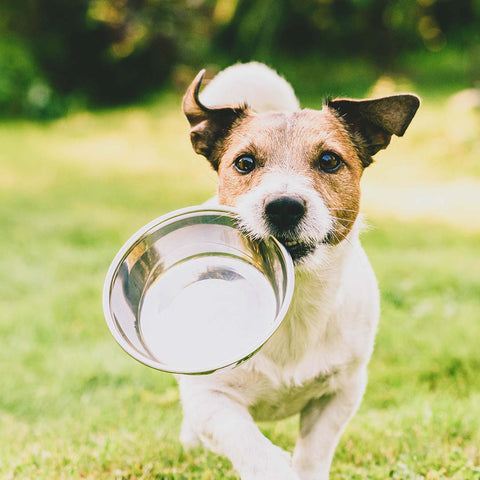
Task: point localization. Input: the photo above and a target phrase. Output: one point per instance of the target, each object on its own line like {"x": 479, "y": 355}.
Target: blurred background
{"x": 93, "y": 145}
{"x": 60, "y": 54}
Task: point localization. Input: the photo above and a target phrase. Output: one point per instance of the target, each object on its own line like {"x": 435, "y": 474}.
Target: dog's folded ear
{"x": 376, "y": 120}
{"x": 209, "y": 125}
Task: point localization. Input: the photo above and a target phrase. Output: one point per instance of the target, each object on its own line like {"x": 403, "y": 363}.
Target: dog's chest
{"x": 281, "y": 401}
{"x": 327, "y": 334}
{"x": 272, "y": 392}
{"x": 304, "y": 360}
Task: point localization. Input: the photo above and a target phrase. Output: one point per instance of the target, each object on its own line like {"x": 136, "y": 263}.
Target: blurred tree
{"x": 380, "y": 30}
{"x": 108, "y": 50}
{"x": 112, "y": 51}
{"x": 22, "y": 86}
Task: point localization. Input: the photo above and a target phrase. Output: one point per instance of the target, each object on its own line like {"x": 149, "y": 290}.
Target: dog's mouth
{"x": 296, "y": 248}
{"x": 299, "y": 250}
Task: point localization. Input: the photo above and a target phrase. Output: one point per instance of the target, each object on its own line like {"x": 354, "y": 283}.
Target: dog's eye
{"x": 330, "y": 162}
{"x": 244, "y": 164}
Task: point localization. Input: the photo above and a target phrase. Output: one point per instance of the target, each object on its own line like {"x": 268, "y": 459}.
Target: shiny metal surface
{"x": 188, "y": 293}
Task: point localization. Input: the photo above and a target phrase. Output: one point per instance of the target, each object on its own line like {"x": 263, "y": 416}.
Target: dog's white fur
{"x": 252, "y": 83}
{"x": 316, "y": 362}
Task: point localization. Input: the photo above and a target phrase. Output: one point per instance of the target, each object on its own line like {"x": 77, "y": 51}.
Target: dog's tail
{"x": 254, "y": 84}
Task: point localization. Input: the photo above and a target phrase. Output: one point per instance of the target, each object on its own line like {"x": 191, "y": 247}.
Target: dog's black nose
{"x": 284, "y": 211}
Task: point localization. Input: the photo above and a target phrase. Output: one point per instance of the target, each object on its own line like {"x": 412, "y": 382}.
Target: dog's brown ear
{"x": 376, "y": 120}
{"x": 209, "y": 125}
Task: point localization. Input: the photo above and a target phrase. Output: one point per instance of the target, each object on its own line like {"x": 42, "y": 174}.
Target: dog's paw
{"x": 188, "y": 436}
{"x": 287, "y": 456}
{"x": 309, "y": 473}
{"x": 278, "y": 473}
{"x": 312, "y": 476}
{"x": 271, "y": 467}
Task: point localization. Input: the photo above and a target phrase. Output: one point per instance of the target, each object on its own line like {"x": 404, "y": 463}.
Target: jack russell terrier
{"x": 295, "y": 174}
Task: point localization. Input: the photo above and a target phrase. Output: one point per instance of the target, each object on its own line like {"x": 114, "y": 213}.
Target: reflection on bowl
{"x": 189, "y": 293}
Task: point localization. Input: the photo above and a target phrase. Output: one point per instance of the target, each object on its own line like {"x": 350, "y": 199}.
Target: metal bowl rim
{"x": 141, "y": 234}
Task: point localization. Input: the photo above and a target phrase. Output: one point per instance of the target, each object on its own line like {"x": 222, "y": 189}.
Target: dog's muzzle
{"x": 284, "y": 214}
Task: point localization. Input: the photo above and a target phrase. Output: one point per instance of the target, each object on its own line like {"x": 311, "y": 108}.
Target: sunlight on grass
{"x": 73, "y": 405}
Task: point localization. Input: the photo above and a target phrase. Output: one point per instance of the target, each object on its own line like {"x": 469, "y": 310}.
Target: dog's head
{"x": 295, "y": 175}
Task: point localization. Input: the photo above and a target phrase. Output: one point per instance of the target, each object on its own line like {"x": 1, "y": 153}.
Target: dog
{"x": 295, "y": 174}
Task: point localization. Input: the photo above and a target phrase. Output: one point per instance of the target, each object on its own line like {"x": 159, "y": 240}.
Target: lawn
{"x": 74, "y": 405}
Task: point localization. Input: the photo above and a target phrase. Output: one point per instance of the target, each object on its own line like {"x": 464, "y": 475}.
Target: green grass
{"x": 74, "y": 405}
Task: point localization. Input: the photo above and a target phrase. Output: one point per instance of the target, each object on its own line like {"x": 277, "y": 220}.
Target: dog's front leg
{"x": 322, "y": 422}
{"x": 226, "y": 427}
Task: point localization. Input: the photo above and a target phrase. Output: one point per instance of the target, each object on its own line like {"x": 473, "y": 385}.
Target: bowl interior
{"x": 191, "y": 294}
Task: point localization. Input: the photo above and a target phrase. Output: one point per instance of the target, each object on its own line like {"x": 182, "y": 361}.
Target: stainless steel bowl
{"x": 188, "y": 293}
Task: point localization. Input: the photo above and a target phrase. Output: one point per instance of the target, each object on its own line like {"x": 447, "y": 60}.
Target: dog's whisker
{"x": 336, "y": 238}
{"x": 343, "y": 210}
{"x": 336, "y": 230}
{"x": 343, "y": 219}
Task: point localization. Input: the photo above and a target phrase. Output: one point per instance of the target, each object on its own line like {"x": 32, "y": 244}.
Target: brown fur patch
{"x": 294, "y": 143}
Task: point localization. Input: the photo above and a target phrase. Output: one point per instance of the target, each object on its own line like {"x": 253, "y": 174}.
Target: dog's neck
{"x": 317, "y": 283}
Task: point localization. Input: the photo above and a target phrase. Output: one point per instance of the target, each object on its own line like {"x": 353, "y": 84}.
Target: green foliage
{"x": 23, "y": 89}
{"x": 376, "y": 30}
{"x": 106, "y": 52}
